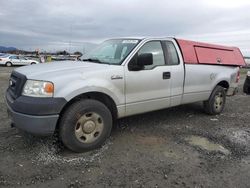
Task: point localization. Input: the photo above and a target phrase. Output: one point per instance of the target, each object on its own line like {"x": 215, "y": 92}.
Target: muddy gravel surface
{"x": 176, "y": 147}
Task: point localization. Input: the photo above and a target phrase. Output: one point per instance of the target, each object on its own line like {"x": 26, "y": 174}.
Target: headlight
{"x": 35, "y": 88}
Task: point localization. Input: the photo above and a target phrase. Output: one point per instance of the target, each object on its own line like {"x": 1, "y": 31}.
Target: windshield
{"x": 111, "y": 51}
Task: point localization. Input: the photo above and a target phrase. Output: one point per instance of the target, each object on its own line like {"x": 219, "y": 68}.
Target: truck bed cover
{"x": 204, "y": 53}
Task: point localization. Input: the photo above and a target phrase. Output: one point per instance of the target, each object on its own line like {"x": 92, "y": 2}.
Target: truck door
{"x": 174, "y": 60}
{"x": 23, "y": 61}
{"x": 15, "y": 60}
{"x": 148, "y": 89}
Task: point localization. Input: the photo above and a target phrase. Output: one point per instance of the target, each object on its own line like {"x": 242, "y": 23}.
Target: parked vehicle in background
{"x": 247, "y": 60}
{"x": 10, "y": 60}
{"x": 121, "y": 77}
{"x": 4, "y": 55}
{"x": 246, "y": 87}
{"x": 65, "y": 57}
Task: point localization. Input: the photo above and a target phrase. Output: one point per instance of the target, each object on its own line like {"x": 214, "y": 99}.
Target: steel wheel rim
{"x": 219, "y": 101}
{"x": 89, "y": 127}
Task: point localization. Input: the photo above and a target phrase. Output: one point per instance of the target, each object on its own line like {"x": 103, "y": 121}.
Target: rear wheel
{"x": 8, "y": 64}
{"x": 216, "y": 102}
{"x": 33, "y": 63}
{"x": 85, "y": 125}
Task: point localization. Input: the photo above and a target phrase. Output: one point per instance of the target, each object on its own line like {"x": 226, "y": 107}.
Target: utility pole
{"x": 70, "y": 37}
{"x": 83, "y": 50}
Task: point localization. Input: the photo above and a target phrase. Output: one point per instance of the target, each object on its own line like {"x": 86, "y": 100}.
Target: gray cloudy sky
{"x": 53, "y": 24}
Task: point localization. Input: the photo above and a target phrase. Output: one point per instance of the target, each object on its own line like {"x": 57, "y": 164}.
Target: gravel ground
{"x": 176, "y": 147}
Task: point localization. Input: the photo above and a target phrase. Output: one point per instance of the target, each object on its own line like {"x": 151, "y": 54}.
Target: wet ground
{"x": 177, "y": 147}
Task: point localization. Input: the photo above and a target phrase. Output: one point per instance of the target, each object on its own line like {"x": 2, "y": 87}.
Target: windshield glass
{"x": 111, "y": 51}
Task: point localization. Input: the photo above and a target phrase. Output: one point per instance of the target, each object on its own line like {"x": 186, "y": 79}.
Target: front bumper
{"x": 36, "y": 125}
{"x": 37, "y": 116}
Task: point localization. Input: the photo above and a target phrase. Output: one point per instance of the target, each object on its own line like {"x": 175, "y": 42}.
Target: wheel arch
{"x": 99, "y": 96}
{"x": 8, "y": 62}
{"x": 223, "y": 84}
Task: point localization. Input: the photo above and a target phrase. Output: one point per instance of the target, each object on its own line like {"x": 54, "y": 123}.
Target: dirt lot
{"x": 177, "y": 147}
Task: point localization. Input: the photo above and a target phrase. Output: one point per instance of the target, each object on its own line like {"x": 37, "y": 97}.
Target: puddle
{"x": 205, "y": 144}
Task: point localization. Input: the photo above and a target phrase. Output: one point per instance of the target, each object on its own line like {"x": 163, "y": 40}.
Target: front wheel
{"x": 216, "y": 102}
{"x": 85, "y": 125}
{"x": 8, "y": 64}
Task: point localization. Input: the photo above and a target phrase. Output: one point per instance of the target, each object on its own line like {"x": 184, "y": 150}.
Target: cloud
{"x": 48, "y": 24}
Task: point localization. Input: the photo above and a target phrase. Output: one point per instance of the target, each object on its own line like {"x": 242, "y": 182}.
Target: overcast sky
{"x": 54, "y": 24}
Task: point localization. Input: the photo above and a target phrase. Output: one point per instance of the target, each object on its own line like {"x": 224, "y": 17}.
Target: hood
{"x": 43, "y": 70}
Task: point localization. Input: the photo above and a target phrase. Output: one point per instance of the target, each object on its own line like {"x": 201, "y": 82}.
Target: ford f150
{"x": 121, "y": 77}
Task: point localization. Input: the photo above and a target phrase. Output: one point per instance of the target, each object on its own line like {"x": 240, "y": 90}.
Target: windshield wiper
{"x": 95, "y": 60}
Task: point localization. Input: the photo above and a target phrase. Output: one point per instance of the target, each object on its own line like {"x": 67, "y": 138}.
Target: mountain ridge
{"x": 7, "y": 49}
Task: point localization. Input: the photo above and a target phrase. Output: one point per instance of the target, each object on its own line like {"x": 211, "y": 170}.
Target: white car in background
{"x": 10, "y": 60}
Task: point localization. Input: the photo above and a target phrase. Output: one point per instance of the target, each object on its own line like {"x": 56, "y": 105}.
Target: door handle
{"x": 166, "y": 75}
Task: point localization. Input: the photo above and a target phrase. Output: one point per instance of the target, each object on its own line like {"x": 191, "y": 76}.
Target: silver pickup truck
{"x": 121, "y": 77}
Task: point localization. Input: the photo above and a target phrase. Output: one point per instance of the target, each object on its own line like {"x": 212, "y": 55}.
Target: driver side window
{"x": 14, "y": 57}
{"x": 22, "y": 58}
{"x": 155, "y": 48}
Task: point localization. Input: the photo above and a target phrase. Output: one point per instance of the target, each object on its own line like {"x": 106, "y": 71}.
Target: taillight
{"x": 238, "y": 77}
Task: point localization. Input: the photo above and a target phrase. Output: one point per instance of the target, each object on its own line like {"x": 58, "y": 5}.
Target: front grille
{"x": 16, "y": 84}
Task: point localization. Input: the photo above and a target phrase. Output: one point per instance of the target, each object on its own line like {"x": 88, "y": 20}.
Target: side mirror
{"x": 145, "y": 59}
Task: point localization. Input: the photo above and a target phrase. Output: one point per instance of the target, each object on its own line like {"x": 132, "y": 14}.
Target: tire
{"x": 85, "y": 125}
{"x": 8, "y": 64}
{"x": 216, "y": 102}
{"x": 246, "y": 87}
{"x": 33, "y": 63}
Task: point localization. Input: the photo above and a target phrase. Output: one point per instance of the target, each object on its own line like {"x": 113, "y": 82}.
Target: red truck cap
{"x": 204, "y": 53}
